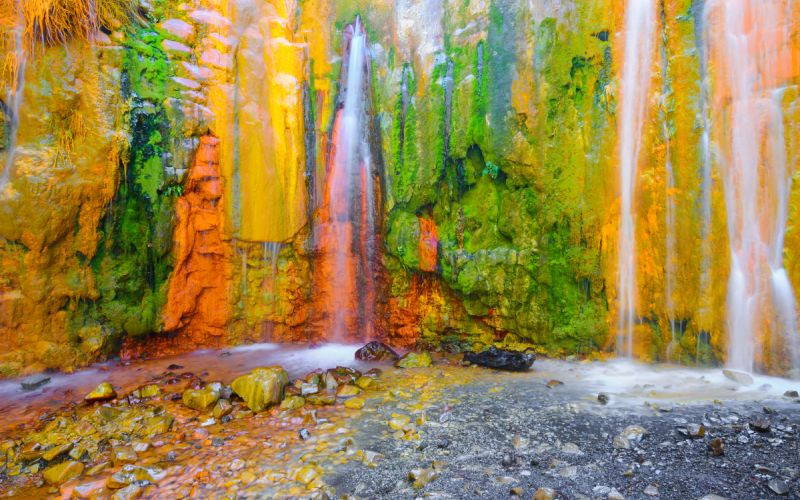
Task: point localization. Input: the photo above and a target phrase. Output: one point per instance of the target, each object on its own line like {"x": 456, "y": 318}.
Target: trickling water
{"x": 16, "y": 88}
{"x": 350, "y": 228}
{"x": 271, "y": 250}
{"x": 640, "y": 25}
{"x": 748, "y": 41}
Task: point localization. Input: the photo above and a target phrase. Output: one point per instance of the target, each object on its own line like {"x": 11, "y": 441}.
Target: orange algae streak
{"x": 428, "y": 244}
{"x": 197, "y": 301}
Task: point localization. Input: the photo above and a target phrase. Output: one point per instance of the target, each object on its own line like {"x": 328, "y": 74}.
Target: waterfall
{"x": 349, "y": 233}
{"x": 16, "y": 88}
{"x": 748, "y": 40}
{"x": 640, "y": 23}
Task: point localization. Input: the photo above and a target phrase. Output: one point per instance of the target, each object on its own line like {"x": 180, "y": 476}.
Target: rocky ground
{"x": 441, "y": 431}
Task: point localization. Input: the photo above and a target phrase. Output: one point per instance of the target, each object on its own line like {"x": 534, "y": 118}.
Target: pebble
{"x": 651, "y": 490}
{"x": 34, "y": 382}
{"x": 760, "y": 425}
{"x": 717, "y": 447}
{"x": 602, "y": 398}
{"x": 696, "y": 431}
{"x": 554, "y": 383}
{"x": 544, "y": 493}
{"x": 304, "y": 434}
{"x": 791, "y": 394}
{"x": 778, "y": 486}
{"x": 615, "y": 495}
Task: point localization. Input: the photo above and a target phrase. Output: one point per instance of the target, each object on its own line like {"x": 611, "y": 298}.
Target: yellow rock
{"x": 102, "y": 392}
{"x": 262, "y": 387}
{"x": 202, "y": 399}
{"x": 56, "y": 451}
{"x": 354, "y": 403}
{"x": 63, "y": 472}
{"x": 399, "y": 421}
{"x": 364, "y": 382}
{"x": 415, "y": 360}
{"x": 292, "y": 402}
{"x": 306, "y": 474}
{"x": 347, "y": 391}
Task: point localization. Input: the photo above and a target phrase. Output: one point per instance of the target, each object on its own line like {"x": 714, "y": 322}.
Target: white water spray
{"x": 640, "y": 23}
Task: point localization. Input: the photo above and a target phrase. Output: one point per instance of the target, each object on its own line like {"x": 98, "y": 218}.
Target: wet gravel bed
{"x": 505, "y": 435}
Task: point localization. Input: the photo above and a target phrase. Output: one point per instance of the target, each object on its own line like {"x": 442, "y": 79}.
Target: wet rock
{"x": 88, "y": 490}
{"x": 615, "y": 495}
{"x": 696, "y": 431}
{"x": 354, "y": 403}
{"x": 651, "y": 490}
{"x": 517, "y": 491}
{"x": 102, "y": 392}
{"x": 347, "y": 391}
{"x": 128, "y": 493}
{"x": 398, "y": 421}
{"x": 364, "y": 382}
{"x": 553, "y": 383}
{"x": 34, "y": 382}
{"x": 717, "y": 447}
{"x": 376, "y": 351}
{"x": 292, "y": 403}
{"x": 149, "y": 391}
{"x": 602, "y": 398}
{"x": 760, "y": 425}
{"x": 712, "y": 496}
{"x": 304, "y": 434}
{"x": 31, "y": 451}
{"x": 501, "y": 359}
{"x": 415, "y": 360}
{"x": 571, "y": 449}
{"x": 508, "y": 460}
{"x": 791, "y": 394}
{"x": 323, "y": 399}
{"x": 63, "y": 472}
{"x": 544, "y": 494}
{"x": 98, "y": 468}
{"x": 237, "y": 464}
{"x": 124, "y": 455}
{"x": 421, "y": 477}
{"x": 778, "y": 486}
{"x": 130, "y": 474}
{"x": 222, "y": 408}
{"x": 630, "y": 435}
{"x": 202, "y": 399}
{"x": 56, "y": 451}
{"x": 307, "y": 388}
{"x": 262, "y": 387}
{"x": 306, "y": 474}
{"x": 738, "y": 377}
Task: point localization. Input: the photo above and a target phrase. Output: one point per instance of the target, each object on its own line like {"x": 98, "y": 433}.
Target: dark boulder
{"x": 500, "y": 359}
{"x": 376, "y": 351}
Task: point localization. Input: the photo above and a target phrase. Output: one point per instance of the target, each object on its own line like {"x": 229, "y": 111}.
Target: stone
{"x": 303, "y": 434}
{"x": 791, "y": 394}
{"x": 712, "y": 496}
{"x": 322, "y": 399}
{"x": 102, "y": 392}
{"x": 501, "y": 359}
{"x": 517, "y": 491}
{"x": 760, "y": 425}
{"x": 415, "y": 360}
{"x": 202, "y": 399}
{"x": 128, "y": 493}
{"x": 149, "y": 391}
{"x": 307, "y": 388}
{"x": 33, "y": 382}
{"x": 634, "y": 433}
{"x": 222, "y": 408}
{"x": 130, "y": 474}
{"x": 544, "y": 493}
{"x": 778, "y": 486}
{"x": 347, "y": 391}
{"x": 91, "y": 489}
{"x": 399, "y": 421}
{"x": 292, "y": 402}
{"x": 738, "y": 377}
{"x": 419, "y": 478}
{"x": 376, "y": 351}
{"x": 306, "y": 474}
{"x": 354, "y": 403}
{"x": 651, "y": 490}
{"x": 553, "y": 383}
{"x": 124, "y": 455}
{"x": 56, "y": 451}
{"x": 717, "y": 447}
{"x": 181, "y": 30}
{"x": 696, "y": 431}
{"x": 602, "y": 398}
{"x": 262, "y": 387}
{"x": 363, "y": 382}
{"x": 615, "y": 495}
{"x": 59, "y": 474}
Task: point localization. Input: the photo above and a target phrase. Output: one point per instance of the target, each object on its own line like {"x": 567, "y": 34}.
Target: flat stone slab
{"x": 34, "y": 382}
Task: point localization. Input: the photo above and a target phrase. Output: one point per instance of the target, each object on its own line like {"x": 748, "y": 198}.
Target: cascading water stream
{"x": 640, "y": 24}
{"x": 14, "y": 95}
{"x": 748, "y": 41}
{"x": 349, "y": 235}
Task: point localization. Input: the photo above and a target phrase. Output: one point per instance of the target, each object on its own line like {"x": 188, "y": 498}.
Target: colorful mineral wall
{"x": 496, "y": 153}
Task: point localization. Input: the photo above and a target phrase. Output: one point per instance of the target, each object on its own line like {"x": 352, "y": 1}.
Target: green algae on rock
{"x": 63, "y": 472}
{"x": 261, "y": 387}
{"x": 415, "y": 360}
{"x": 102, "y": 392}
{"x": 202, "y": 399}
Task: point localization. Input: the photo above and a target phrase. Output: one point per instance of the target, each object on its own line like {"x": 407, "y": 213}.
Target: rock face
{"x": 500, "y": 359}
{"x": 262, "y": 387}
{"x": 415, "y": 360}
{"x": 376, "y": 351}
{"x": 197, "y": 301}
{"x": 170, "y": 178}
